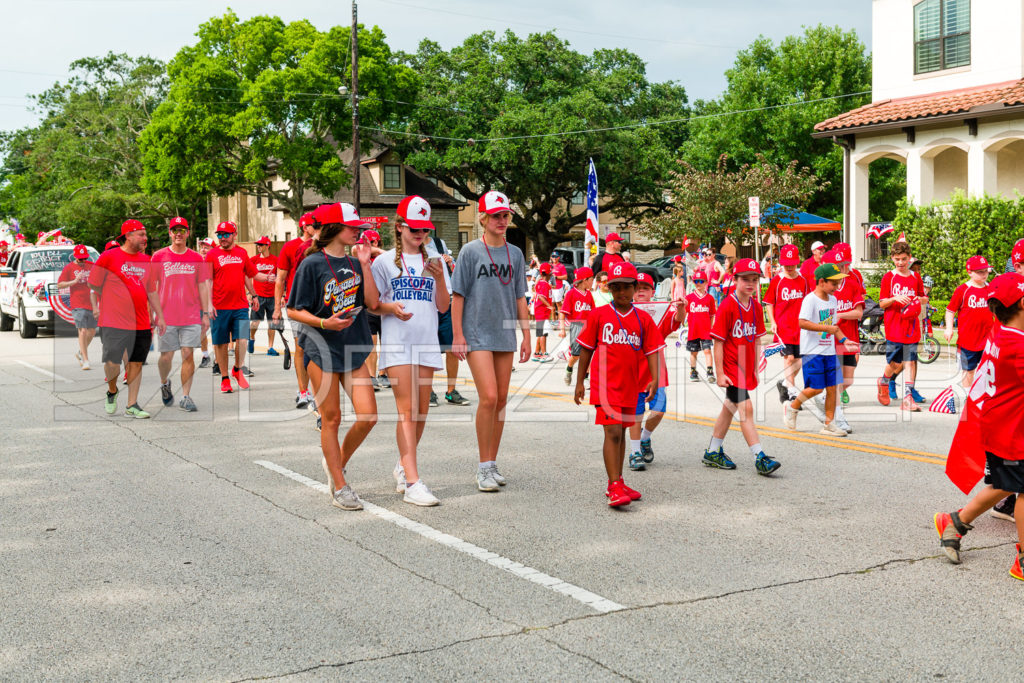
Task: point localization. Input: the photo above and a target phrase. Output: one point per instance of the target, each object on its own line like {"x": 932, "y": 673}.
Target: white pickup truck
{"x": 23, "y": 284}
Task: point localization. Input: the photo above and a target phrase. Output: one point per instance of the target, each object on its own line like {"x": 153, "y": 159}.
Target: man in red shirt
{"x": 123, "y": 293}
{"x": 970, "y": 305}
{"x": 75, "y": 277}
{"x": 785, "y": 294}
{"x": 817, "y": 253}
{"x": 233, "y": 274}
{"x": 266, "y": 263}
{"x": 902, "y": 297}
{"x": 611, "y": 254}
{"x": 287, "y": 261}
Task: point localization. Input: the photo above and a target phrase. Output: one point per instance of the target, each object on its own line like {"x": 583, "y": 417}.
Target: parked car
{"x": 23, "y": 286}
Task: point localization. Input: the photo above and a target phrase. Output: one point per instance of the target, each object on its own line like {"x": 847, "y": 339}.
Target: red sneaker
{"x": 1017, "y": 570}
{"x": 883, "y": 391}
{"x": 240, "y": 378}
{"x": 225, "y": 385}
{"x": 909, "y": 404}
{"x": 949, "y": 537}
{"x": 617, "y": 497}
{"x": 632, "y": 493}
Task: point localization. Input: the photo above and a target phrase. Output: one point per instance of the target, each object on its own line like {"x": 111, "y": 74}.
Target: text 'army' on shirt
{"x": 498, "y": 270}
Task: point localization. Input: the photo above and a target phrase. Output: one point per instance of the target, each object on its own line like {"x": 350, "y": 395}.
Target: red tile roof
{"x": 924, "y": 106}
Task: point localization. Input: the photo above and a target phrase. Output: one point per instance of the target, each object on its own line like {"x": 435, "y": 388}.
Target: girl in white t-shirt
{"x": 413, "y": 289}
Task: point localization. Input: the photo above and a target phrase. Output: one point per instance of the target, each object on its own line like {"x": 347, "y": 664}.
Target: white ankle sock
{"x": 487, "y": 465}
{"x": 645, "y": 434}
{"x": 715, "y": 444}
{"x": 634, "y": 445}
{"x": 756, "y": 449}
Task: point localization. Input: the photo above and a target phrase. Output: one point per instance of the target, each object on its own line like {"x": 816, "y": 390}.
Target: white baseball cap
{"x": 817, "y": 245}
{"x": 494, "y": 202}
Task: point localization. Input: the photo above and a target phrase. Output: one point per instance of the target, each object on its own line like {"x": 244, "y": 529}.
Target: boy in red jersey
{"x": 902, "y": 297}
{"x": 641, "y": 452}
{"x": 621, "y": 339}
{"x": 970, "y": 305}
{"x": 737, "y": 332}
{"x": 994, "y": 421}
{"x": 785, "y": 293}
{"x": 75, "y": 276}
{"x": 578, "y": 303}
{"x": 542, "y": 308}
{"x": 699, "y": 310}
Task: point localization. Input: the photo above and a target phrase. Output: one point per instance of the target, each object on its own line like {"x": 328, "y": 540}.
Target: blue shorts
{"x": 444, "y": 330}
{"x": 657, "y": 404}
{"x": 900, "y": 353}
{"x": 229, "y": 323}
{"x": 821, "y": 371}
{"x": 969, "y": 359}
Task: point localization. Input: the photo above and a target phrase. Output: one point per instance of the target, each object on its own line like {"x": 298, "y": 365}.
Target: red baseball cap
{"x": 178, "y": 221}
{"x": 369, "y": 235}
{"x": 582, "y": 274}
{"x": 789, "y": 255}
{"x": 1018, "y": 252}
{"x": 415, "y": 211}
{"x": 977, "y": 262}
{"x": 678, "y": 258}
{"x": 1007, "y": 288}
{"x": 339, "y": 212}
{"x": 80, "y": 252}
{"x": 545, "y": 269}
{"x": 745, "y": 266}
{"x": 307, "y": 219}
{"x": 913, "y": 309}
{"x": 3, "y": 243}
{"x": 645, "y": 279}
{"x": 612, "y": 237}
{"x": 112, "y": 244}
{"x": 836, "y": 255}
{"x": 494, "y": 202}
{"x": 131, "y": 225}
{"x": 622, "y": 271}
{"x": 226, "y": 226}
{"x": 263, "y": 240}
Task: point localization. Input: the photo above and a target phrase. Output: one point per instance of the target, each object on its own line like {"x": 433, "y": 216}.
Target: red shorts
{"x": 625, "y": 416}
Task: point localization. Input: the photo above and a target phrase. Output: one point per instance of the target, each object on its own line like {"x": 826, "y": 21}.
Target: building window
{"x": 577, "y": 199}
{"x": 259, "y": 198}
{"x": 458, "y": 195}
{"x": 288, "y": 233}
{"x": 392, "y": 177}
{"x": 942, "y": 35}
{"x": 463, "y": 238}
{"x": 270, "y": 200}
{"x": 624, "y": 234}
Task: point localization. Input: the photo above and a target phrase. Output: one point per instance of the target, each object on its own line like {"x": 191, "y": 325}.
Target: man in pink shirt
{"x": 184, "y": 282}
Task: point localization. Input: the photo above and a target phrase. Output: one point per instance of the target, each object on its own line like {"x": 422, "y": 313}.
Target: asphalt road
{"x": 204, "y": 546}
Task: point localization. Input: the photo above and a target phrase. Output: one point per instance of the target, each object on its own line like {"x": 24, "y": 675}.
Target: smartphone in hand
{"x": 352, "y": 312}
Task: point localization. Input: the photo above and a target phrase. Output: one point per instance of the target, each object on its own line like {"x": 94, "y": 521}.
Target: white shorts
{"x": 428, "y": 355}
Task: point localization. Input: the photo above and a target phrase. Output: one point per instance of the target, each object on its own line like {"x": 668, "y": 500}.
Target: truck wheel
{"x": 6, "y": 322}
{"x": 25, "y": 328}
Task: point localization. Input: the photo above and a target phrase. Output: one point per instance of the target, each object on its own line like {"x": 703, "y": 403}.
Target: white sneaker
{"x": 816, "y": 407}
{"x": 85, "y": 365}
{"x": 399, "y": 474}
{"x": 496, "y": 475}
{"x": 832, "y": 429}
{"x": 789, "y": 415}
{"x": 419, "y": 494}
{"x": 78, "y": 357}
{"x": 485, "y": 482}
{"x": 840, "y": 421}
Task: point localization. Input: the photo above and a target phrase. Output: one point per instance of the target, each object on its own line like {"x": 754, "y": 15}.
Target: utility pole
{"x": 356, "y": 155}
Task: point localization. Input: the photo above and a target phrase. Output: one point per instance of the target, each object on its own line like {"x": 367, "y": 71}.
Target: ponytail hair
{"x": 328, "y": 232}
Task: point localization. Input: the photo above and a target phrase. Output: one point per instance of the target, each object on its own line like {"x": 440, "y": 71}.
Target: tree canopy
{"x": 493, "y": 114}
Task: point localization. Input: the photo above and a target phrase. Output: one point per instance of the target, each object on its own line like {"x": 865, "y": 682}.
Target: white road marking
{"x": 42, "y": 371}
{"x": 589, "y": 599}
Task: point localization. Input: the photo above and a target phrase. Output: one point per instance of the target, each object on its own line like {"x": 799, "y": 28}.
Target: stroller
{"x": 872, "y": 340}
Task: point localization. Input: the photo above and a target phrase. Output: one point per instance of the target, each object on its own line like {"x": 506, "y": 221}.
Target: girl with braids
{"x": 413, "y": 290}
{"x": 490, "y": 296}
{"x": 326, "y": 303}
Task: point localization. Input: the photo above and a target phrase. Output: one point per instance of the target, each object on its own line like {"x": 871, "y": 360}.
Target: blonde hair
{"x": 398, "y": 244}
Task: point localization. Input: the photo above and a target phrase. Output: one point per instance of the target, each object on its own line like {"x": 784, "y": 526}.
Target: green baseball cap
{"x": 828, "y": 271}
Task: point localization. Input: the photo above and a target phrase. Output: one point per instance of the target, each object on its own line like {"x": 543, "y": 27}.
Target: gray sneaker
{"x": 166, "y": 395}
{"x": 346, "y": 499}
{"x": 205, "y": 362}
{"x": 485, "y": 480}
{"x": 496, "y": 475}
{"x": 187, "y": 405}
{"x": 247, "y": 372}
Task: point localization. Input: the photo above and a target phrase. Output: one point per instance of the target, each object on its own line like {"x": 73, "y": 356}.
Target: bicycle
{"x": 930, "y": 348}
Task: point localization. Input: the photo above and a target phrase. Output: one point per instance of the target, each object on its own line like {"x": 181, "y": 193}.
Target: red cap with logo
{"x": 613, "y": 237}
{"x": 208, "y": 241}
{"x": 622, "y": 271}
{"x": 745, "y": 266}
{"x": 494, "y": 202}
{"x": 678, "y": 258}
{"x": 131, "y": 225}
{"x": 912, "y": 309}
{"x": 112, "y": 244}
{"x": 977, "y": 262}
{"x": 545, "y": 269}
{"x": 789, "y": 255}
{"x": 339, "y": 212}
{"x": 369, "y": 236}
{"x": 178, "y": 222}
{"x": 415, "y": 211}
{"x": 1018, "y": 252}
{"x": 645, "y": 279}
{"x": 582, "y": 274}
{"x": 3, "y": 243}
{"x": 1007, "y": 288}
{"x": 227, "y": 226}
{"x": 307, "y": 219}
{"x": 263, "y": 240}
{"x": 80, "y": 252}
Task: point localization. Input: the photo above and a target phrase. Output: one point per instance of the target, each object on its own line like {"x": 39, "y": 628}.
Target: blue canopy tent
{"x": 790, "y": 220}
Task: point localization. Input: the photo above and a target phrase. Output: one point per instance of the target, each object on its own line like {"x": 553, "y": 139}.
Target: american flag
{"x": 60, "y": 302}
{"x": 945, "y": 402}
{"x": 877, "y": 230}
{"x": 767, "y": 352}
{"x": 591, "y": 233}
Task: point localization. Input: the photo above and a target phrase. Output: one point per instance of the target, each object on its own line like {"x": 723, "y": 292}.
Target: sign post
{"x": 754, "y": 211}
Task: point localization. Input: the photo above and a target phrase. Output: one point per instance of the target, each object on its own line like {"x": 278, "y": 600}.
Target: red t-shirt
{"x": 123, "y": 280}
{"x": 849, "y": 294}
{"x": 970, "y": 305}
{"x": 786, "y": 295}
{"x": 998, "y": 390}
{"x": 899, "y": 329}
{"x": 666, "y": 326}
{"x": 79, "y": 290}
{"x": 739, "y": 329}
{"x": 229, "y": 269}
{"x": 621, "y": 344}
{"x": 286, "y": 261}
{"x": 541, "y": 311}
{"x": 4, "y": 255}
{"x": 807, "y": 269}
{"x": 268, "y": 266}
{"x": 728, "y": 284}
{"x": 179, "y": 276}
{"x": 577, "y": 305}
{"x": 699, "y": 312}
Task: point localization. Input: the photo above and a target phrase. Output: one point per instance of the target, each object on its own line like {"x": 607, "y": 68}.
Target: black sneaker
{"x": 433, "y": 400}
{"x": 1004, "y": 508}
{"x": 694, "y": 377}
{"x": 376, "y": 384}
{"x": 205, "y": 362}
{"x": 783, "y": 391}
{"x": 166, "y": 395}
{"x": 455, "y": 398}
{"x": 385, "y": 383}
{"x": 216, "y": 369}
{"x": 247, "y": 372}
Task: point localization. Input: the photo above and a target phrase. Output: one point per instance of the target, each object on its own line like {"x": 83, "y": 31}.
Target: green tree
{"x": 80, "y": 168}
{"x": 823, "y": 67}
{"x": 256, "y": 99}
{"x": 492, "y": 113}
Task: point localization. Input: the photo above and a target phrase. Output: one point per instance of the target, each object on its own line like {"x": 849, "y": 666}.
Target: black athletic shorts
{"x": 849, "y": 360}
{"x": 791, "y": 350}
{"x": 737, "y": 395}
{"x": 116, "y": 341}
{"x": 374, "y": 324}
{"x": 1005, "y": 475}
{"x": 695, "y": 345}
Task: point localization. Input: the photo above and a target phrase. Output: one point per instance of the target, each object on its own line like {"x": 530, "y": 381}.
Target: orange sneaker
{"x": 243, "y": 383}
{"x": 632, "y": 493}
{"x": 909, "y": 404}
{"x": 1017, "y": 570}
{"x": 883, "y": 391}
{"x": 617, "y": 497}
{"x": 225, "y": 385}
{"x": 949, "y": 530}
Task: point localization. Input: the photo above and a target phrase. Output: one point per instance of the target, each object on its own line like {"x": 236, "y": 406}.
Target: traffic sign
{"x": 754, "y": 206}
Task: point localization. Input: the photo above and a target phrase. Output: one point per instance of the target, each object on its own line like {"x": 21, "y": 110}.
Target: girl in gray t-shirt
{"x": 490, "y": 300}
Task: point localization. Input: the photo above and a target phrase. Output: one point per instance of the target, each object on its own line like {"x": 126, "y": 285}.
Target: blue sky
{"x": 692, "y": 43}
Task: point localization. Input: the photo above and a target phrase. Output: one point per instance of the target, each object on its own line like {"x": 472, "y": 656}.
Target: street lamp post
{"x": 356, "y": 155}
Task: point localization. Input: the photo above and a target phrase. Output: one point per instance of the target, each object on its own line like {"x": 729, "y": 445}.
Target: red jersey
{"x": 268, "y": 266}
{"x": 699, "y": 312}
{"x": 807, "y": 269}
{"x": 80, "y": 290}
{"x": 4, "y": 255}
{"x": 728, "y": 284}
{"x": 124, "y": 281}
{"x": 998, "y": 392}
{"x": 666, "y": 326}
{"x": 541, "y": 311}
{"x": 970, "y": 305}
{"x": 899, "y": 329}
{"x": 179, "y": 277}
{"x": 785, "y": 296}
{"x": 739, "y": 329}
{"x": 621, "y": 344}
{"x": 286, "y": 261}
{"x": 577, "y": 305}
{"x": 849, "y": 294}
{"x": 229, "y": 270}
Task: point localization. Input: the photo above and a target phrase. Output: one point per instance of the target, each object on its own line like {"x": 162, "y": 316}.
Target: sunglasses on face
{"x": 417, "y": 231}
{"x": 179, "y": 231}
{"x": 224, "y": 235}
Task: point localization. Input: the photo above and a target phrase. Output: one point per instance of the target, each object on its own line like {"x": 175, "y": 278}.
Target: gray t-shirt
{"x": 491, "y": 280}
